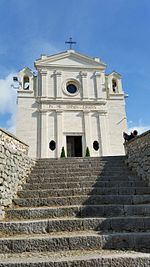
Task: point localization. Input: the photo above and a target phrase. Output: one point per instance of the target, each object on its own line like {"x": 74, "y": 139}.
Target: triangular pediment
{"x": 26, "y": 71}
{"x": 70, "y": 59}
{"x": 115, "y": 74}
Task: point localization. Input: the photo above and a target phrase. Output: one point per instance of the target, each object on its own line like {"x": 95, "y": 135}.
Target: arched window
{"x": 26, "y": 83}
{"x": 114, "y": 85}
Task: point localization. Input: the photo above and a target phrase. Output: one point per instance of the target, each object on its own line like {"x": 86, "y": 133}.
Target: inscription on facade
{"x": 73, "y": 107}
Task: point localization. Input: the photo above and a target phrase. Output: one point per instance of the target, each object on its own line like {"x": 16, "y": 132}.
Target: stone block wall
{"x": 15, "y": 165}
{"x": 138, "y": 155}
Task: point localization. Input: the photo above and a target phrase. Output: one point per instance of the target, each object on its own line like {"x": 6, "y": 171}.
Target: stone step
{"x": 80, "y": 168}
{"x": 109, "y": 225}
{"x": 49, "y": 179}
{"x": 89, "y": 183}
{"x": 43, "y": 193}
{"x": 80, "y": 160}
{"x": 75, "y": 241}
{"x": 83, "y": 200}
{"x": 79, "y": 173}
{"x": 83, "y": 166}
{"x": 78, "y": 211}
{"x": 74, "y": 258}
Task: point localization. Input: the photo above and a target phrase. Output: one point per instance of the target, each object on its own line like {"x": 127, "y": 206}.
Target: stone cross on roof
{"x": 70, "y": 42}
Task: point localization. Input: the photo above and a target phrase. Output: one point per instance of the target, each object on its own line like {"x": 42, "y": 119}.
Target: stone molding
{"x": 46, "y": 100}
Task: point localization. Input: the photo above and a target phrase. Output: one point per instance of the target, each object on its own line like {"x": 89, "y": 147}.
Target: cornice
{"x": 116, "y": 96}
{"x": 68, "y": 67}
{"x": 70, "y": 102}
{"x": 25, "y": 91}
{"x": 68, "y": 53}
{"x": 60, "y": 111}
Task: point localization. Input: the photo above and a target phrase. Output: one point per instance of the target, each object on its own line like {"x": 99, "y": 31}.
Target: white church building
{"x": 70, "y": 102}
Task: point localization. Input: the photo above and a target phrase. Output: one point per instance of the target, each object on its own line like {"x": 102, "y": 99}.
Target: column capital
{"x": 97, "y": 73}
{"x": 43, "y": 72}
{"x": 86, "y": 111}
{"x": 57, "y": 73}
{"x": 83, "y": 74}
{"x": 102, "y": 112}
{"x": 43, "y": 111}
{"x": 59, "y": 112}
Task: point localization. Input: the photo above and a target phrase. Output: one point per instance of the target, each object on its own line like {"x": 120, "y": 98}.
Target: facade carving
{"x": 72, "y": 102}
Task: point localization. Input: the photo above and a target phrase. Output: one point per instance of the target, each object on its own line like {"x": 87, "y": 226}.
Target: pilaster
{"x": 58, "y": 90}
{"x": 104, "y": 133}
{"x": 59, "y": 132}
{"x": 44, "y": 135}
{"x": 51, "y": 84}
{"x": 98, "y": 83}
{"x": 87, "y": 129}
{"x": 83, "y": 76}
{"x": 43, "y": 83}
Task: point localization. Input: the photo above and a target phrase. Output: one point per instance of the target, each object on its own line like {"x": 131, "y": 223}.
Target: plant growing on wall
{"x": 87, "y": 153}
{"x": 63, "y": 153}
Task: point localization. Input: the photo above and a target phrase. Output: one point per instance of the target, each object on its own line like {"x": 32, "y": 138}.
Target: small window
{"x": 26, "y": 83}
{"x": 71, "y": 88}
{"x": 96, "y": 145}
{"x": 52, "y": 145}
{"x": 114, "y": 86}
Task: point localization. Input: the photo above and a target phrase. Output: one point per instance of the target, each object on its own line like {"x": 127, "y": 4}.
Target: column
{"x": 58, "y": 89}
{"x": 98, "y": 82}
{"x": 104, "y": 134}
{"x": 84, "y": 84}
{"x": 87, "y": 131}
{"x": 44, "y": 135}
{"x": 59, "y": 132}
{"x": 43, "y": 83}
{"x": 51, "y": 84}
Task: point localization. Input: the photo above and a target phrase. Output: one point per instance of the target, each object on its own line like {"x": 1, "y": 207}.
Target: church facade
{"x": 70, "y": 102}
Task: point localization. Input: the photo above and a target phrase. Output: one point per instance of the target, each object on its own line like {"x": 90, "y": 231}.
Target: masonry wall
{"x": 138, "y": 155}
{"x": 15, "y": 166}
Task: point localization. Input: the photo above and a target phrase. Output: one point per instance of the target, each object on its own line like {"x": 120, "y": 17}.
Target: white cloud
{"x": 7, "y": 93}
{"x": 8, "y": 101}
{"x": 141, "y": 128}
{"x": 11, "y": 123}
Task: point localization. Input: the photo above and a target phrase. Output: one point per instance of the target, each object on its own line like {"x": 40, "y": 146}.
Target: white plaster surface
{"x": 48, "y": 112}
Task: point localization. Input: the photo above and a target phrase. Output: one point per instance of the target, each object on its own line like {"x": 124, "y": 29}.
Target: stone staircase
{"x": 78, "y": 212}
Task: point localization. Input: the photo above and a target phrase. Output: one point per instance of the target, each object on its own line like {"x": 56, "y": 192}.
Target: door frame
{"x": 75, "y": 134}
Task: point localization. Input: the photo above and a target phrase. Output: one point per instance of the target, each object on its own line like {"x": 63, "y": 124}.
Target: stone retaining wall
{"x": 15, "y": 165}
{"x": 138, "y": 155}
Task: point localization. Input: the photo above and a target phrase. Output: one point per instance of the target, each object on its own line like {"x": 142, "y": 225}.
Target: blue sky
{"x": 117, "y": 31}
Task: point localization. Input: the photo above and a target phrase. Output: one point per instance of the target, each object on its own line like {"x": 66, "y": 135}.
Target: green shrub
{"x": 63, "y": 153}
{"x": 87, "y": 154}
